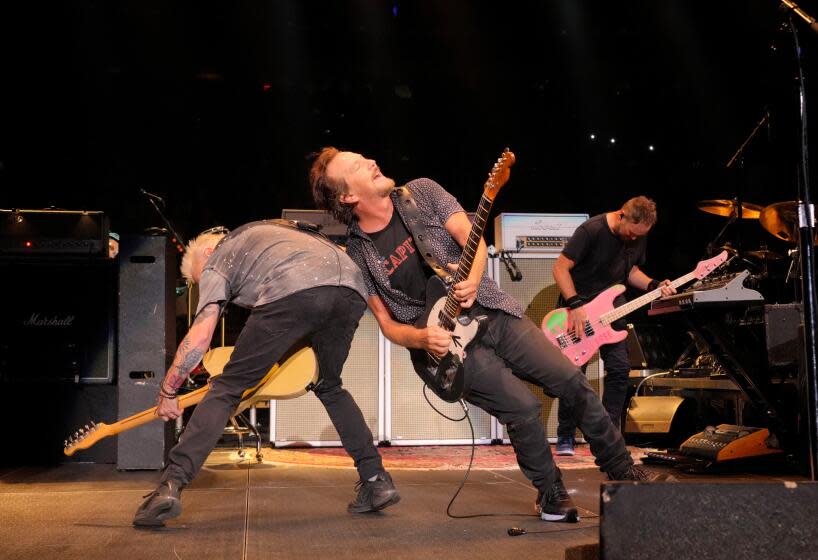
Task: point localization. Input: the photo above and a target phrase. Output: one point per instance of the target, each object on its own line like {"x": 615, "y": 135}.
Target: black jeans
{"x": 513, "y": 349}
{"x": 325, "y": 317}
{"x": 617, "y": 369}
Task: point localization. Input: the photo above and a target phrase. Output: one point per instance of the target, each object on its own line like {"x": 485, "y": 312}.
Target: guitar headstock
{"x": 85, "y": 437}
{"x": 498, "y": 176}
{"x": 706, "y": 267}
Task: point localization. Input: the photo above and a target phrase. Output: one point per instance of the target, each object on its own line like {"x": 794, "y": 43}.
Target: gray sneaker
{"x": 160, "y": 505}
{"x": 375, "y": 495}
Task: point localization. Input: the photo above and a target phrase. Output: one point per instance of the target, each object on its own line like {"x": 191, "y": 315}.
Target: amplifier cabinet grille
{"x": 538, "y": 294}
{"x": 304, "y": 419}
{"x": 412, "y": 420}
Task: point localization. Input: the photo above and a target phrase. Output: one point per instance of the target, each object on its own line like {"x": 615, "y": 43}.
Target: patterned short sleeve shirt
{"x": 435, "y": 207}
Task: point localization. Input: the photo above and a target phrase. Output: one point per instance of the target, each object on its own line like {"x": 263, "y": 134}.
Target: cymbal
{"x": 781, "y": 219}
{"x": 729, "y": 208}
{"x": 764, "y": 255}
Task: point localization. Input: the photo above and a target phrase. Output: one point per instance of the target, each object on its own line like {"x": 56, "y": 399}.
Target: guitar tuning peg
{"x": 93, "y": 424}
{"x": 87, "y": 428}
{"x": 65, "y": 443}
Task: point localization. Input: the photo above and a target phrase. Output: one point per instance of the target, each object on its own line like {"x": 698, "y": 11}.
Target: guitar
{"x": 288, "y": 380}
{"x": 444, "y": 375}
{"x": 601, "y": 313}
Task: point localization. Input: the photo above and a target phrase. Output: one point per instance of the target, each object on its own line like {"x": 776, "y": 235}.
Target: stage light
{"x": 651, "y": 147}
{"x": 593, "y": 136}
{"x": 613, "y": 140}
{"x": 27, "y": 244}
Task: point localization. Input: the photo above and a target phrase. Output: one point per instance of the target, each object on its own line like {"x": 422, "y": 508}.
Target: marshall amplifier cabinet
{"x": 53, "y": 232}
{"x": 58, "y": 323}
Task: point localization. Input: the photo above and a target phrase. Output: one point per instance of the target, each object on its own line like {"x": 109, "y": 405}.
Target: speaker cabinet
{"x": 147, "y": 341}
{"x": 413, "y": 421}
{"x": 305, "y": 421}
{"x": 58, "y": 324}
{"x": 698, "y": 521}
{"x": 781, "y": 322}
{"x": 538, "y": 294}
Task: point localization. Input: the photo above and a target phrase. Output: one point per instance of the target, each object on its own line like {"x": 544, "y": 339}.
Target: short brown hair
{"x": 326, "y": 192}
{"x": 640, "y": 210}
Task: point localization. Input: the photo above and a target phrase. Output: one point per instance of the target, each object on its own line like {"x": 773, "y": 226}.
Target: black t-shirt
{"x": 601, "y": 258}
{"x": 407, "y": 270}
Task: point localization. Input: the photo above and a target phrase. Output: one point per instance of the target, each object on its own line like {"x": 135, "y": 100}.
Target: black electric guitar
{"x": 444, "y": 375}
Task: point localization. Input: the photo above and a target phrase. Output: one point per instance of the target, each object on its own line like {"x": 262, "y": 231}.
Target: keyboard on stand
{"x": 713, "y": 290}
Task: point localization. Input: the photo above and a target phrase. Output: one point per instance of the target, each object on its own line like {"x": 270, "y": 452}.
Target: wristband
{"x": 652, "y": 285}
{"x": 574, "y": 301}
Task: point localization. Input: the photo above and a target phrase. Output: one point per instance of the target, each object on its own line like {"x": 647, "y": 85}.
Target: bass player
{"x": 511, "y": 350}
{"x": 607, "y": 249}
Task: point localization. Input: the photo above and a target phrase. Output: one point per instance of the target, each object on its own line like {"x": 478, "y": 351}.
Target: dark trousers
{"x": 515, "y": 349}
{"x": 325, "y": 317}
{"x": 615, "y": 388}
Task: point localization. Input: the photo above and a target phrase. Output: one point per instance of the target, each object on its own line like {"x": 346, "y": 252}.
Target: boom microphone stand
{"x": 806, "y": 219}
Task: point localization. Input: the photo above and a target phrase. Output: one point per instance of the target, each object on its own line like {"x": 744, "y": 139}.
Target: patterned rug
{"x": 430, "y": 457}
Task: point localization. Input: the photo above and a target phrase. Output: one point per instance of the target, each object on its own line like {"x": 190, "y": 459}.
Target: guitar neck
{"x": 466, "y": 261}
{"x": 186, "y": 400}
{"x": 621, "y": 311}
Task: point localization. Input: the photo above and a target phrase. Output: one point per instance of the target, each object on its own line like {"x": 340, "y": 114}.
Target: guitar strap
{"x": 415, "y": 225}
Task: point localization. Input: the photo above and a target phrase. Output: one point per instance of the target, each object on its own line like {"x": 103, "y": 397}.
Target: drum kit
{"x": 779, "y": 219}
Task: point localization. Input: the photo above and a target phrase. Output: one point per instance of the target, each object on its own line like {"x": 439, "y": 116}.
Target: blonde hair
{"x": 195, "y": 251}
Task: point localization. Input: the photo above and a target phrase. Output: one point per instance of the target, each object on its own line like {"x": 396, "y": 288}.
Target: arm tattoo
{"x": 188, "y": 356}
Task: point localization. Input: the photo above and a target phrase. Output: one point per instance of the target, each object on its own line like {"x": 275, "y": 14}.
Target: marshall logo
{"x": 56, "y": 321}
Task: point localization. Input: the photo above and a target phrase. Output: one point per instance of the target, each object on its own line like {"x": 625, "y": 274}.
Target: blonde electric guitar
{"x": 287, "y": 380}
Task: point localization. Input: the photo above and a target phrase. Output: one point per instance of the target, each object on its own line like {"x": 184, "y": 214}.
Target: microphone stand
{"x": 806, "y": 219}
{"x": 511, "y": 266}
{"x": 178, "y": 241}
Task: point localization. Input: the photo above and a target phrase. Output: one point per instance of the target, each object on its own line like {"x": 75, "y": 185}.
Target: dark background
{"x": 215, "y": 106}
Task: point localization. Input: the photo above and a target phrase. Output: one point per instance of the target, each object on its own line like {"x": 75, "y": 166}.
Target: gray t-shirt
{"x": 262, "y": 262}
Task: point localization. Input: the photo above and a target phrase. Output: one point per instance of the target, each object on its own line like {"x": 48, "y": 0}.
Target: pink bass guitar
{"x": 601, "y": 313}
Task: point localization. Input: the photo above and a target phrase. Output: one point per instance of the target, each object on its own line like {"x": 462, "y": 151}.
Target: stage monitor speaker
{"x": 305, "y": 421}
{"x": 147, "y": 341}
{"x": 538, "y": 294}
{"x": 702, "y": 521}
{"x": 58, "y": 322}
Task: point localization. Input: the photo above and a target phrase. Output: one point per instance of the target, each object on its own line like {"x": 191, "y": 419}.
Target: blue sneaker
{"x": 565, "y": 445}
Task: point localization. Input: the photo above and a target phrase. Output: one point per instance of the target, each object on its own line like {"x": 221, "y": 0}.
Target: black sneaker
{"x": 556, "y": 505}
{"x": 640, "y": 474}
{"x": 374, "y": 496}
{"x": 161, "y": 504}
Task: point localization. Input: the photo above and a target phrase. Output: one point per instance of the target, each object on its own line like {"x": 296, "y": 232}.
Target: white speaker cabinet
{"x": 538, "y": 294}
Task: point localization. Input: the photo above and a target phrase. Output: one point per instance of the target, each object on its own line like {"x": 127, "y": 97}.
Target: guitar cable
{"x": 513, "y": 531}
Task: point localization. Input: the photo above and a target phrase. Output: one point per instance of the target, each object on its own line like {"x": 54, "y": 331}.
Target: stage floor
{"x": 292, "y": 508}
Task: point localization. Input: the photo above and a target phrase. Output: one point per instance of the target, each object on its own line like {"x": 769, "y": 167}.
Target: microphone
{"x": 151, "y": 195}
{"x": 513, "y": 272}
{"x": 516, "y": 531}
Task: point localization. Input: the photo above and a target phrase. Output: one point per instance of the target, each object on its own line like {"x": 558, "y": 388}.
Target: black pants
{"x": 515, "y": 349}
{"x": 617, "y": 369}
{"x": 325, "y": 317}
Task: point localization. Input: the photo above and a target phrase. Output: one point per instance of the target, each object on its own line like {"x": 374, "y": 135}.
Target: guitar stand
{"x": 241, "y": 427}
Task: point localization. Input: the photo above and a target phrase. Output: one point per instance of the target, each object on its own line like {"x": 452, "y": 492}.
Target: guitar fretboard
{"x": 622, "y": 310}
{"x": 452, "y": 307}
